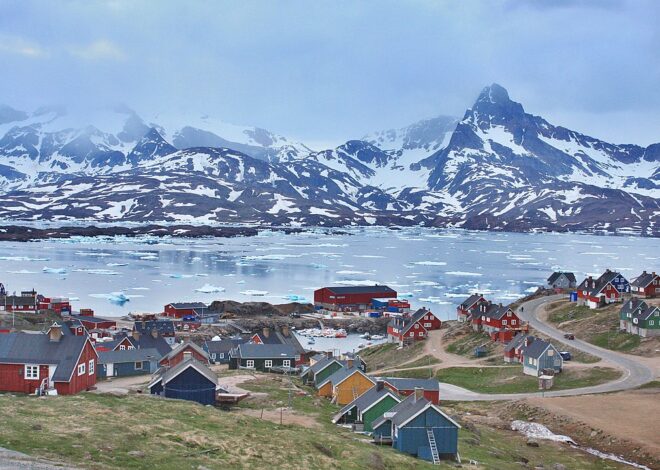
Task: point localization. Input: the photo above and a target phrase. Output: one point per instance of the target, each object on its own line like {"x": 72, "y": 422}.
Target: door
{"x": 109, "y": 371}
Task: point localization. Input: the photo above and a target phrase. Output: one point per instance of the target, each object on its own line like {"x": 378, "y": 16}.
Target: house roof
{"x": 644, "y": 279}
{"x": 25, "y": 348}
{"x": 167, "y": 374}
{"x": 494, "y": 311}
{"x": 557, "y": 274}
{"x": 265, "y": 351}
{"x": 632, "y": 306}
{"x": 405, "y": 323}
{"x": 322, "y": 364}
{"x": 517, "y": 341}
{"x": 162, "y": 326}
{"x": 597, "y": 285}
{"x": 182, "y": 346}
{"x": 401, "y": 383}
{"x": 536, "y": 348}
{"x": 224, "y": 345}
{"x": 128, "y": 355}
{"x": 365, "y": 401}
{"x": 278, "y": 337}
{"x": 376, "y": 289}
{"x": 18, "y": 300}
{"x": 188, "y": 305}
{"x": 402, "y": 405}
{"x": 418, "y": 407}
{"x": 146, "y": 341}
{"x": 470, "y": 301}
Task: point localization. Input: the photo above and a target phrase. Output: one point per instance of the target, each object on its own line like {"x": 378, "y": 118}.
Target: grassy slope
{"x": 599, "y": 327}
{"x": 510, "y": 379}
{"x": 388, "y": 356}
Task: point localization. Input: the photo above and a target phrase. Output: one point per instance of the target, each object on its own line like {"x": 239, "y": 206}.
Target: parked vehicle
{"x": 569, "y": 336}
{"x": 565, "y": 355}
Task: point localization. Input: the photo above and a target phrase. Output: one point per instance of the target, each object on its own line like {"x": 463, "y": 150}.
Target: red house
{"x": 415, "y": 327}
{"x": 55, "y": 362}
{"x": 463, "y": 311}
{"x": 59, "y": 305}
{"x": 607, "y": 289}
{"x": 184, "y": 309}
{"x": 92, "y": 323}
{"x": 351, "y": 298}
{"x": 406, "y": 387}
{"x": 182, "y": 352}
{"x": 494, "y": 318}
{"x": 26, "y": 302}
{"x": 646, "y": 285}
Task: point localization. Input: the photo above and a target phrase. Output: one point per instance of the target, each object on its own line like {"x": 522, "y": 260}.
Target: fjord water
{"x": 433, "y": 268}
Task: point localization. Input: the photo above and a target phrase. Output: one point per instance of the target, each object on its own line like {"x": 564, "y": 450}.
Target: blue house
{"x": 539, "y": 356}
{"x": 418, "y": 427}
{"x": 128, "y": 362}
{"x": 188, "y": 380}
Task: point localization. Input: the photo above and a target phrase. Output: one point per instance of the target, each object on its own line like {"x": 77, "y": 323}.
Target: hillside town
{"x": 78, "y": 351}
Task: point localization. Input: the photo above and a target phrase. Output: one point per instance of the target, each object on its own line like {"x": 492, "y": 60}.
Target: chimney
{"x": 653, "y": 273}
{"x": 187, "y": 355}
{"x": 266, "y": 332}
{"x": 379, "y": 385}
{"x": 285, "y": 331}
{"x": 55, "y": 333}
{"x": 419, "y": 393}
{"x": 136, "y": 335}
{"x": 154, "y": 333}
{"x": 644, "y": 273}
{"x": 349, "y": 363}
{"x": 329, "y": 354}
{"x": 528, "y": 341}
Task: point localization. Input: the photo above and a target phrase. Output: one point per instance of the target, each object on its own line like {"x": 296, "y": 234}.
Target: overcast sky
{"x": 327, "y": 71}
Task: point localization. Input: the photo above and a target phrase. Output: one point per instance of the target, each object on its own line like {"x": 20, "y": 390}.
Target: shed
{"x": 188, "y": 380}
{"x": 127, "y": 362}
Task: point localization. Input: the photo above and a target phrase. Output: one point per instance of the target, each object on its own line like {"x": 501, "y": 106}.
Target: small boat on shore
{"x": 377, "y": 337}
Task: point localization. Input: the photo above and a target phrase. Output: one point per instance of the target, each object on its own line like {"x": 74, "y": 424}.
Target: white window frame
{"x": 81, "y": 369}
{"x": 122, "y": 347}
{"x": 130, "y": 348}
{"x": 427, "y": 325}
{"x": 268, "y": 363}
{"x": 249, "y": 363}
{"x": 136, "y": 365}
{"x": 513, "y": 322}
{"x": 222, "y": 355}
{"x": 286, "y": 363}
{"x": 91, "y": 367}
{"x": 505, "y": 322}
{"x": 29, "y": 372}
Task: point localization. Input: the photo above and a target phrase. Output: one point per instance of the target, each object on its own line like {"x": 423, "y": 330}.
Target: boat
{"x": 377, "y": 337}
{"x": 341, "y": 334}
{"x": 360, "y": 346}
{"x": 365, "y": 336}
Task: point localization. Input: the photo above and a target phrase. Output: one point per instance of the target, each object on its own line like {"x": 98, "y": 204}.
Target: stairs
{"x": 434, "y": 447}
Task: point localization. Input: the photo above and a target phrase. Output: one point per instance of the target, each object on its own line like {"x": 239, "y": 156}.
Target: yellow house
{"x": 345, "y": 385}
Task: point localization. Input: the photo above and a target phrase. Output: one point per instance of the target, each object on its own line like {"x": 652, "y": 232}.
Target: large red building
{"x": 55, "y": 361}
{"x": 356, "y": 297}
{"x": 184, "y": 309}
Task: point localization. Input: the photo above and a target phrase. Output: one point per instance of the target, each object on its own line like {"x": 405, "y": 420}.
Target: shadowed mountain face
{"x": 497, "y": 168}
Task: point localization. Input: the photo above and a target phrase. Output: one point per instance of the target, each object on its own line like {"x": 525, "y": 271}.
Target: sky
{"x": 327, "y": 71}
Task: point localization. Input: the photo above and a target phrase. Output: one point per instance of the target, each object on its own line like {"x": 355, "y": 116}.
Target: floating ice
{"x": 116, "y": 265}
{"x": 270, "y": 257}
{"x": 176, "y": 275}
{"x": 21, "y": 258}
{"x": 209, "y": 289}
{"x": 118, "y": 298}
{"x": 349, "y": 272}
{"x": 318, "y": 266}
{"x": 295, "y": 298}
{"x": 356, "y": 282}
{"x": 405, "y": 295}
{"x": 434, "y": 300}
{"x": 93, "y": 253}
{"x": 426, "y": 283}
{"x": 368, "y": 256}
{"x": 48, "y": 270}
{"x": 430, "y": 263}
{"x": 254, "y": 292}
{"x": 102, "y": 272}
{"x": 463, "y": 273}
{"x": 22, "y": 271}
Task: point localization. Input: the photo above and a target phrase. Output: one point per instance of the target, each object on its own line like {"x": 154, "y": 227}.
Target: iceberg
{"x": 118, "y": 298}
{"x": 103, "y": 272}
{"x": 48, "y": 270}
{"x": 209, "y": 289}
{"x": 254, "y": 292}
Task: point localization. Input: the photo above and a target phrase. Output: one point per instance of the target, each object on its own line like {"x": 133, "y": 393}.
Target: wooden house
{"x": 321, "y": 370}
{"x": 561, "y": 280}
{"x": 406, "y": 386}
{"x": 219, "y": 349}
{"x": 646, "y": 285}
{"x": 127, "y": 363}
{"x": 283, "y": 336}
{"x": 365, "y": 409}
{"x": 54, "y": 362}
{"x": 188, "y": 380}
{"x": 494, "y": 318}
{"x": 164, "y": 328}
{"x": 184, "y": 351}
{"x": 415, "y": 327}
{"x": 185, "y": 309}
{"x": 513, "y": 349}
{"x": 607, "y": 289}
{"x": 352, "y": 297}
{"x": 345, "y": 385}
{"x": 539, "y": 356}
{"x": 639, "y": 318}
{"x": 263, "y": 357}
{"x": 418, "y": 427}
{"x": 26, "y": 302}
{"x": 92, "y": 322}
{"x": 464, "y": 310}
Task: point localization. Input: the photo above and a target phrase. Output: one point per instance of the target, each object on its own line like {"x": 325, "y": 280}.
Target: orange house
{"x": 345, "y": 385}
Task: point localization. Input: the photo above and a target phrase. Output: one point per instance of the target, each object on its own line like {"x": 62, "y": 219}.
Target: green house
{"x": 365, "y": 409}
{"x": 321, "y": 370}
{"x": 639, "y": 318}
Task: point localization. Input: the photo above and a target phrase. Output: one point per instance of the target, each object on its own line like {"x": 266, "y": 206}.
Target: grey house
{"x": 562, "y": 280}
{"x": 262, "y": 357}
{"x": 540, "y": 355}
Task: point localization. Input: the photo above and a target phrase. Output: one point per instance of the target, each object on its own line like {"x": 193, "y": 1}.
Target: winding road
{"x": 635, "y": 373}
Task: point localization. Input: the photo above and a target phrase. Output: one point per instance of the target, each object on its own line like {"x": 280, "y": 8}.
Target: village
{"x": 392, "y": 394}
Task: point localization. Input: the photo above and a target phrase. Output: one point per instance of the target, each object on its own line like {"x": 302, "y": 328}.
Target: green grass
{"x": 426, "y": 360}
{"x": 424, "y": 373}
{"x": 616, "y": 340}
{"x": 571, "y": 312}
{"x": 388, "y": 356}
{"x": 465, "y": 345}
{"x": 510, "y": 379}
{"x": 651, "y": 384}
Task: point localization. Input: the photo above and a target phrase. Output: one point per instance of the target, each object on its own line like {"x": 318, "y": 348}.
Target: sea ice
{"x": 48, "y": 270}
{"x": 209, "y": 289}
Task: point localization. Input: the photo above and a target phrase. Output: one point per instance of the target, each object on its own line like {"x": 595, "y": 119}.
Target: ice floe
{"x": 48, "y": 270}
{"x": 209, "y": 289}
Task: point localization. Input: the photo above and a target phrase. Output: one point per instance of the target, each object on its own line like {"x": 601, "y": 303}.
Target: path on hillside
{"x": 635, "y": 372}
{"x": 11, "y": 460}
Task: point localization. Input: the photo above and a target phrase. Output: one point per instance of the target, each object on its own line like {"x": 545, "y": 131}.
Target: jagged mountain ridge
{"x": 497, "y": 168}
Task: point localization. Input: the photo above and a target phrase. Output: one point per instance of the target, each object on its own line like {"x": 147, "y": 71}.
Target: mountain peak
{"x": 151, "y": 145}
{"x": 494, "y": 101}
{"x": 495, "y": 94}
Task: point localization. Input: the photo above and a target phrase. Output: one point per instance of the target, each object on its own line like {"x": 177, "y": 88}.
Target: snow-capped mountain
{"x": 497, "y": 168}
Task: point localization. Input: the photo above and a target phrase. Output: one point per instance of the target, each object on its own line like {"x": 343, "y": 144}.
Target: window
{"x": 268, "y": 363}
{"x": 551, "y": 352}
{"x": 91, "y": 367}
{"x": 416, "y": 326}
{"x": 651, "y": 322}
{"x": 138, "y": 365}
{"x": 222, "y": 355}
{"x": 286, "y": 362}
{"x": 427, "y": 325}
{"x": 130, "y": 348}
{"x": 513, "y": 322}
{"x": 249, "y": 363}
{"x": 81, "y": 368}
{"x": 213, "y": 356}
{"x": 504, "y": 322}
{"x": 31, "y": 372}
{"x": 122, "y": 348}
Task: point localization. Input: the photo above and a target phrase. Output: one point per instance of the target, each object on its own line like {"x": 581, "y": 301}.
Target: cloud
{"x": 98, "y": 50}
{"x": 19, "y": 46}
